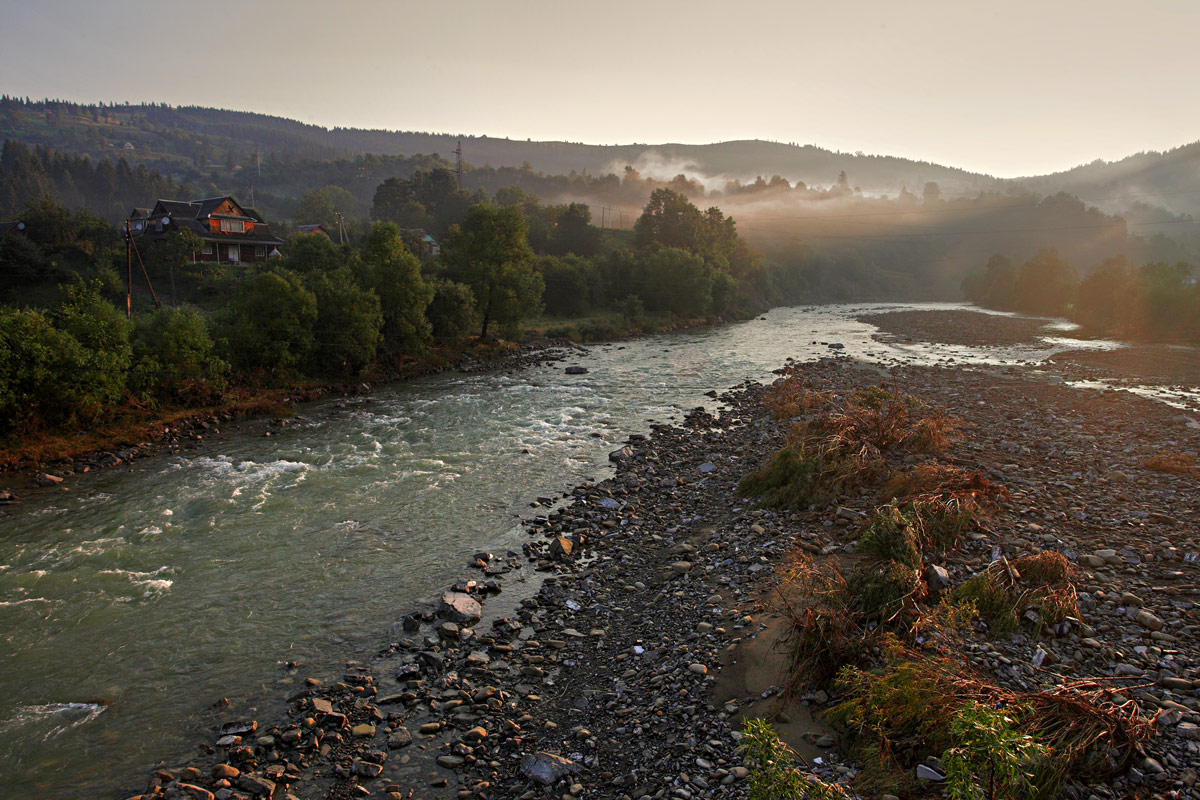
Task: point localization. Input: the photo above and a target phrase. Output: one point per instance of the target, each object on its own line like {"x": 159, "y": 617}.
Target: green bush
{"x": 451, "y": 312}
{"x": 271, "y": 323}
{"x": 175, "y": 359}
{"x": 46, "y": 379}
{"x": 773, "y": 771}
{"x": 394, "y": 274}
{"x": 348, "y": 325}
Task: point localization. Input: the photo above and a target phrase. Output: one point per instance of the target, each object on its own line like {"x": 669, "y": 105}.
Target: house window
{"x": 260, "y": 251}
{"x": 232, "y": 226}
{"x": 207, "y": 250}
{"x": 235, "y": 253}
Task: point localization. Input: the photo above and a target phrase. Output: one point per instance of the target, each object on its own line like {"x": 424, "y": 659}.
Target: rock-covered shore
{"x": 597, "y": 662}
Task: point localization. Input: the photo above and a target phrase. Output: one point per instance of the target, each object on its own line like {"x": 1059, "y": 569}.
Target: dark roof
{"x": 189, "y": 213}
{"x": 311, "y": 229}
{"x": 139, "y": 213}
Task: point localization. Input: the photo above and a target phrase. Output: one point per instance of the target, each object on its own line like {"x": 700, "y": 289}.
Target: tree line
{"x": 1154, "y": 302}
{"x": 330, "y": 311}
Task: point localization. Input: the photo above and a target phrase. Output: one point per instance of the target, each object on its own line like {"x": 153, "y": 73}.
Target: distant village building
{"x": 429, "y": 246}
{"x": 313, "y": 230}
{"x": 231, "y": 234}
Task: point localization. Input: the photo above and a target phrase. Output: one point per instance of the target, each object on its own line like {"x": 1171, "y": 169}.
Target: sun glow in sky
{"x": 1015, "y": 88}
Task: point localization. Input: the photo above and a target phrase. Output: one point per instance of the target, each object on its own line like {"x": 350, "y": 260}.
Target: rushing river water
{"x": 139, "y": 596}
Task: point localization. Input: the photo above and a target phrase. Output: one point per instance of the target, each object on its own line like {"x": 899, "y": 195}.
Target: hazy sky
{"x": 1011, "y": 88}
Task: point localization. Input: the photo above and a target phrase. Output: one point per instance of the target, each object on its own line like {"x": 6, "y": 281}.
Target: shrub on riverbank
{"x": 774, "y": 774}
{"x": 919, "y": 705}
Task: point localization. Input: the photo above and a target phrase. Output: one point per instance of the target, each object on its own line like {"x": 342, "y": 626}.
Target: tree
{"x": 44, "y": 373}
{"x": 568, "y": 290}
{"x": 1045, "y": 284}
{"x": 669, "y": 219}
{"x": 1106, "y": 299}
{"x": 995, "y": 286}
{"x": 451, "y": 313}
{"x": 1168, "y": 302}
{"x": 271, "y": 324}
{"x": 174, "y": 358}
{"x": 677, "y": 282}
{"x": 394, "y": 273}
{"x": 428, "y": 199}
{"x": 348, "y": 324}
{"x": 176, "y": 249}
{"x": 322, "y": 206}
{"x": 489, "y": 253}
{"x": 99, "y": 365}
{"x": 21, "y": 261}
{"x": 313, "y": 253}
{"x": 573, "y": 232}
{"x": 932, "y": 193}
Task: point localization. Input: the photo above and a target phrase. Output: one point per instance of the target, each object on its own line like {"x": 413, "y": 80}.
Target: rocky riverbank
{"x": 616, "y": 656}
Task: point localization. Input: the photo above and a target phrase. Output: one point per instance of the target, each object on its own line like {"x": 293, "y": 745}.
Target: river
{"x": 137, "y": 597}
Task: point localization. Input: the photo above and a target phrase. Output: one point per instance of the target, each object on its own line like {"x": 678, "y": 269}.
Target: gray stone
{"x": 256, "y": 785}
{"x": 399, "y": 738}
{"x": 937, "y": 577}
{"x": 1148, "y": 620}
{"x": 547, "y": 768}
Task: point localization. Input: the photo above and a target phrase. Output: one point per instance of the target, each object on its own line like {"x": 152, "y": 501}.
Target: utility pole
{"x": 458, "y": 164}
{"x": 605, "y": 214}
{"x": 341, "y": 227}
{"x": 128, "y": 273}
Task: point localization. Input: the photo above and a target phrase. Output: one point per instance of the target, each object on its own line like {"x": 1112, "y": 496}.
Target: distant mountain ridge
{"x": 175, "y": 136}
{"x": 183, "y": 141}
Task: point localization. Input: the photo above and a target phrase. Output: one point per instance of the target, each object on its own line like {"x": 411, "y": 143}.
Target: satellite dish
{"x": 20, "y": 226}
{"x": 166, "y": 220}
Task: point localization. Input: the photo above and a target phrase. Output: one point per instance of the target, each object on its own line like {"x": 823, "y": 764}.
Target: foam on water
{"x": 54, "y": 719}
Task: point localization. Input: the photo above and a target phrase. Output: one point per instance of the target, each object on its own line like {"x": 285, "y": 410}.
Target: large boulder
{"x": 460, "y": 607}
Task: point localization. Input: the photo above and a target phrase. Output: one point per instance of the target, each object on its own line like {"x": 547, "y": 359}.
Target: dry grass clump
{"x": 914, "y": 706}
{"x": 824, "y": 633}
{"x": 1003, "y": 593}
{"x": 1048, "y": 568}
{"x": 886, "y": 592}
{"x": 945, "y": 482}
{"x": 807, "y": 472}
{"x": 909, "y": 532}
{"x": 882, "y": 419}
{"x": 1174, "y": 463}
{"x": 795, "y": 397}
{"x": 835, "y": 452}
